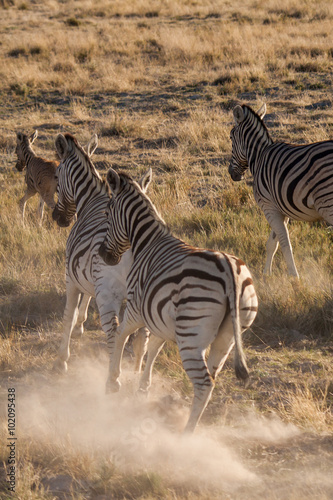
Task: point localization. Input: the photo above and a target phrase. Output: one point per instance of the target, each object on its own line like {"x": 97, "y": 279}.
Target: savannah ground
{"x": 157, "y": 82}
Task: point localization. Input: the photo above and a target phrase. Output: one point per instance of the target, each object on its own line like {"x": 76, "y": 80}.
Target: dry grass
{"x": 157, "y": 83}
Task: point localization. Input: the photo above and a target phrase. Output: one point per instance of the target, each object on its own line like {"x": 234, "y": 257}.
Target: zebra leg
{"x": 140, "y": 342}
{"x": 69, "y": 320}
{"x": 154, "y": 347}
{"x": 120, "y": 338}
{"x": 82, "y": 315}
{"x": 221, "y": 347}
{"x": 109, "y": 311}
{"x": 23, "y": 202}
{"x": 40, "y": 210}
{"x": 196, "y": 368}
{"x": 271, "y": 247}
{"x": 110, "y": 302}
{"x": 278, "y": 223}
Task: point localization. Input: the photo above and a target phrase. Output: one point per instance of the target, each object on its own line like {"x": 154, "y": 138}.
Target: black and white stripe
{"x": 289, "y": 181}
{"x": 197, "y": 298}
{"x": 39, "y": 175}
{"x": 81, "y": 191}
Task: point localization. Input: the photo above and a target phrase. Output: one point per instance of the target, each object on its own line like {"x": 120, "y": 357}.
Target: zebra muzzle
{"x": 108, "y": 256}
{"x": 20, "y": 165}
{"x": 60, "y": 218}
{"x": 234, "y": 175}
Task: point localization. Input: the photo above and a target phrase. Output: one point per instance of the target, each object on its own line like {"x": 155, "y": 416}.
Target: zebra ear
{"x": 19, "y": 136}
{"x": 113, "y": 181}
{"x": 61, "y": 146}
{"x": 146, "y": 180}
{"x": 262, "y": 111}
{"x": 238, "y": 114}
{"x": 33, "y": 137}
{"x": 92, "y": 145}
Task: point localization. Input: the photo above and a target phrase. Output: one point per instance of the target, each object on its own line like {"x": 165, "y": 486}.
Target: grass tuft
{"x": 73, "y": 22}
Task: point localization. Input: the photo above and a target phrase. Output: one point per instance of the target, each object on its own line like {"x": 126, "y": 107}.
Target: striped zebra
{"x": 289, "y": 181}
{"x": 197, "y": 298}
{"x": 81, "y": 191}
{"x": 40, "y": 174}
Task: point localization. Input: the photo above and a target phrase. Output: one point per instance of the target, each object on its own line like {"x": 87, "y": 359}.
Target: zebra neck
{"x": 145, "y": 233}
{"x": 256, "y": 145}
{"x": 87, "y": 189}
{"x": 29, "y": 155}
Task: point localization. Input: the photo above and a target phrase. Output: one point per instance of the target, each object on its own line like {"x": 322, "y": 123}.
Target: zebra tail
{"x": 241, "y": 368}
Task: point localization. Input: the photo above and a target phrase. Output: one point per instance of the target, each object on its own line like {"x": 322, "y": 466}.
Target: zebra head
{"x": 65, "y": 209}
{"x": 123, "y": 188}
{"x": 23, "y": 146}
{"x": 243, "y": 121}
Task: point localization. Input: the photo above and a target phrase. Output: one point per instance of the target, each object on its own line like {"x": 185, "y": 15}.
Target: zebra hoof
{"x": 142, "y": 393}
{"x": 112, "y": 386}
{"x": 60, "y": 366}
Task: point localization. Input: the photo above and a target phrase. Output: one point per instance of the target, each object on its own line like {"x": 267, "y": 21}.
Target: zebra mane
{"x": 250, "y": 111}
{"x": 127, "y": 179}
{"x": 93, "y": 170}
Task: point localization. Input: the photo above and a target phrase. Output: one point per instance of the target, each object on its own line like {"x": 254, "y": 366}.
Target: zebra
{"x": 289, "y": 181}
{"x": 197, "y": 298}
{"x": 82, "y": 191}
{"x": 40, "y": 174}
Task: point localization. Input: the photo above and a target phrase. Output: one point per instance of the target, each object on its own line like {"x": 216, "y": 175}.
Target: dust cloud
{"x": 72, "y": 412}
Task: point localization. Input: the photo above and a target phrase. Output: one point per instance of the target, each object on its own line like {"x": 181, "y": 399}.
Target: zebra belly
{"x": 299, "y": 211}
